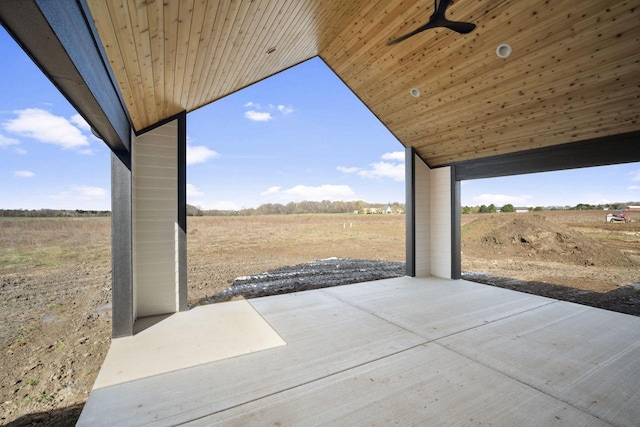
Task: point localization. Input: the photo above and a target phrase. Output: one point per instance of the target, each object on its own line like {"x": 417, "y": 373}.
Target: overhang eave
{"x": 58, "y": 38}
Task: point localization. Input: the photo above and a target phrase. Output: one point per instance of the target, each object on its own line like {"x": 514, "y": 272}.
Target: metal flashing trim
{"x": 161, "y": 123}
{"x": 456, "y": 232}
{"x": 182, "y": 212}
{"x": 410, "y": 212}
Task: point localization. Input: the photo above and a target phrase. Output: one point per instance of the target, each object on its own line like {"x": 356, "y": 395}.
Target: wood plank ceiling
{"x": 574, "y": 73}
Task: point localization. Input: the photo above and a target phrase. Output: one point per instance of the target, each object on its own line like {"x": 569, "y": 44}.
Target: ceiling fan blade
{"x": 442, "y": 7}
{"x": 438, "y": 19}
{"x": 426, "y": 26}
{"x": 460, "y": 27}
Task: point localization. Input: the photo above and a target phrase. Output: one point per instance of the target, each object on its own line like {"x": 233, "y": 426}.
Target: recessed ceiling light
{"x": 271, "y": 50}
{"x": 504, "y": 50}
{"x": 415, "y": 92}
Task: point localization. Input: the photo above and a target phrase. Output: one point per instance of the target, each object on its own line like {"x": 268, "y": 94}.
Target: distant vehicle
{"x": 618, "y": 216}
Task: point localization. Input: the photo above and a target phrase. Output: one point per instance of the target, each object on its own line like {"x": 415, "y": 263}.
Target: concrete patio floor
{"x": 399, "y": 351}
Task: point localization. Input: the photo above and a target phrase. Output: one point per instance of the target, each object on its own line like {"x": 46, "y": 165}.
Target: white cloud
{"x": 633, "y": 188}
{"x": 285, "y": 110}
{"x": 500, "y": 199}
{"x": 396, "y": 155}
{"x": 270, "y": 190}
{"x": 6, "y": 141}
{"x": 80, "y": 122}
{"x": 348, "y": 170}
{"x": 199, "y": 154}
{"x": 45, "y": 127}
{"x": 385, "y": 170}
{"x": 258, "y": 116}
{"x": 24, "y": 174}
{"x": 193, "y": 191}
{"x": 391, "y": 169}
{"x": 635, "y": 175}
{"x": 259, "y": 113}
{"x": 89, "y": 192}
{"x": 304, "y": 192}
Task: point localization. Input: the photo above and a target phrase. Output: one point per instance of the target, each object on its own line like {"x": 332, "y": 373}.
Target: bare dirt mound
{"x": 532, "y": 236}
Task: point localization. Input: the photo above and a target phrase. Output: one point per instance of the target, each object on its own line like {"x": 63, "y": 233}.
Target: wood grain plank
{"x": 223, "y": 48}
{"x": 217, "y": 12}
{"x": 155, "y": 18}
{"x": 193, "y": 47}
{"x": 140, "y": 32}
{"x": 568, "y": 64}
{"x": 171, "y": 18}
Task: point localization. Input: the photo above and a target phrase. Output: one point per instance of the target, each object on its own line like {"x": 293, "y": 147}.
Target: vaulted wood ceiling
{"x": 574, "y": 73}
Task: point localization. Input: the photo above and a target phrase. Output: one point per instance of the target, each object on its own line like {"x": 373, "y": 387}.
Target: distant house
{"x": 522, "y": 209}
{"x": 633, "y": 208}
{"x": 388, "y": 210}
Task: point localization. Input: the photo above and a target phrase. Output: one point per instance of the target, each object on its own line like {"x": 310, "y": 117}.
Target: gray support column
{"x": 456, "y": 232}
{"x": 122, "y": 291}
{"x": 410, "y": 212}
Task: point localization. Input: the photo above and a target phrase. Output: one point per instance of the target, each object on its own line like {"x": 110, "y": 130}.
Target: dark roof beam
{"x": 608, "y": 150}
{"x": 57, "y": 36}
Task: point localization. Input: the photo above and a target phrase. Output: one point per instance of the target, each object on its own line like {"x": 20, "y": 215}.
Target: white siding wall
{"x": 440, "y": 202}
{"x": 155, "y": 212}
{"x": 422, "y": 219}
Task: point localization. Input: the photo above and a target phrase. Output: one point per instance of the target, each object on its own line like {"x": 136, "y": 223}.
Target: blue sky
{"x": 300, "y": 135}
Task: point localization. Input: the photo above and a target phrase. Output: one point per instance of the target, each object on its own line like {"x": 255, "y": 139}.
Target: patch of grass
{"x": 44, "y": 398}
{"x": 55, "y": 305}
{"x": 32, "y": 381}
{"x": 61, "y": 346}
{"x": 26, "y": 243}
{"x": 23, "y": 338}
{"x": 14, "y": 257}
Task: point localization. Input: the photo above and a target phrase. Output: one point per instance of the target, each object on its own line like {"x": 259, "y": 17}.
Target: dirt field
{"x": 55, "y": 290}
{"x": 223, "y": 248}
{"x": 571, "y": 248}
{"x": 55, "y": 279}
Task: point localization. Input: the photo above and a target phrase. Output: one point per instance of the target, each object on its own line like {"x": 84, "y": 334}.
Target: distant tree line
{"x": 305, "y": 207}
{"x": 579, "y": 207}
{"x": 51, "y": 213}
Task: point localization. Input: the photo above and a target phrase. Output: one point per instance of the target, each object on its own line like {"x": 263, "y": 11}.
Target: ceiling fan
{"x": 438, "y": 19}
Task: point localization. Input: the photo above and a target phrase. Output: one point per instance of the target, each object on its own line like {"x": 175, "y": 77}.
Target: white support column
{"x": 422, "y": 221}
{"x": 440, "y": 220}
{"x": 159, "y": 231}
{"x": 430, "y": 221}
